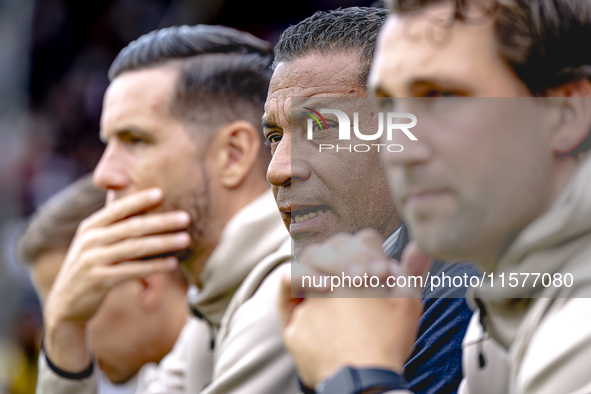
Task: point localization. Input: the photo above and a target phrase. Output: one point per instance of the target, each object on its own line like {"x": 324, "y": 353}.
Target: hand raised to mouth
{"x": 106, "y": 251}
{"x": 372, "y": 332}
{"x": 322, "y": 266}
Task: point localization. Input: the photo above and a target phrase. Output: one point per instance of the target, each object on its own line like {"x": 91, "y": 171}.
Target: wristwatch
{"x": 356, "y": 381}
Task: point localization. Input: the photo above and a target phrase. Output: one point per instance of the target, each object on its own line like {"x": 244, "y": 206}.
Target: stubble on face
{"x": 149, "y": 146}
{"x": 351, "y": 190}
{"x": 198, "y": 206}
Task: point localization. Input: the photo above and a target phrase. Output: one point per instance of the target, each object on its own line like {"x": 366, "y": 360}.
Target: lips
{"x": 300, "y": 213}
{"x": 424, "y": 197}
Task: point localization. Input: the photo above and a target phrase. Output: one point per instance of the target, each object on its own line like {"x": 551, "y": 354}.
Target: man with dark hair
{"x": 184, "y": 172}
{"x": 329, "y": 55}
{"x": 499, "y": 174}
{"x": 139, "y": 321}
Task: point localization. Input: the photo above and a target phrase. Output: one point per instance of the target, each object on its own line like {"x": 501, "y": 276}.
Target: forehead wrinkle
{"x": 271, "y": 106}
{"x": 285, "y": 115}
{"x": 276, "y": 113}
{"x": 312, "y": 76}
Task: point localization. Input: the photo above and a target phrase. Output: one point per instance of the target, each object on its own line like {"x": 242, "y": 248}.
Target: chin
{"x": 444, "y": 242}
{"x": 431, "y": 239}
{"x": 118, "y": 377}
{"x": 302, "y": 241}
{"x": 114, "y": 374}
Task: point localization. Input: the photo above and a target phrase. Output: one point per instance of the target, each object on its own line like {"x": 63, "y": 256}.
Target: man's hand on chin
{"x": 104, "y": 253}
{"x": 325, "y": 334}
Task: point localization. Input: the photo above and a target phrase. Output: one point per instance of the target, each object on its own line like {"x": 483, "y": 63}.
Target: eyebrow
{"x": 446, "y": 82}
{"x": 268, "y": 124}
{"x": 377, "y": 91}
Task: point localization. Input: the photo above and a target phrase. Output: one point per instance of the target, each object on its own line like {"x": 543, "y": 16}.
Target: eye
{"x": 272, "y": 140}
{"x": 130, "y": 138}
{"x": 385, "y": 103}
{"x": 440, "y": 93}
{"x": 317, "y": 127}
{"x": 135, "y": 140}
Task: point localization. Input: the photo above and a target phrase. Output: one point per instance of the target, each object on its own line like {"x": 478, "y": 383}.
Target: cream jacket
{"x": 538, "y": 340}
{"x": 238, "y": 302}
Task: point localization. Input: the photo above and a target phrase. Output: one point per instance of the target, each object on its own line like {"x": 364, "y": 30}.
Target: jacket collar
{"x": 253, "y": 233}
{"x": 547, "y": 245}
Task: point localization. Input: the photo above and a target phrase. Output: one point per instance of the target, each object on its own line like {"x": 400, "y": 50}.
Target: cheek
{"x": 168, "y": 159}
{"x": 177, "y": 173}
{"x": 394, "y": 174}
{"x": 108, "y": 324}
{"x": 493, "y": 161}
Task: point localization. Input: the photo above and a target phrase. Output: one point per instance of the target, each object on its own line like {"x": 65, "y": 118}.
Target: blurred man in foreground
{"x": 139, "y": 320}
{"x": 328, "y": 55}
{"x": 501, "y": 181}
{"x": 185, "y": 175}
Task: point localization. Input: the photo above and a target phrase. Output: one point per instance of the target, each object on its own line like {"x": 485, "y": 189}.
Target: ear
{"x": 575, "y": 122}
{"x": 151, "y": 291}
{"x": 238, "y": 145}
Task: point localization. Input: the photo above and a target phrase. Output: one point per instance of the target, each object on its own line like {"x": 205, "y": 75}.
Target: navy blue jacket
{"x": 436, "y": 362}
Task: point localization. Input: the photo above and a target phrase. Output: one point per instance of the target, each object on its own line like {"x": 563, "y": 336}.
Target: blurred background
{"x": 54, "y": 57}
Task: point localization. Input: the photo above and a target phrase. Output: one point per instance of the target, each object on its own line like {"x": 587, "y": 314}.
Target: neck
{"x": 221, "y": 211}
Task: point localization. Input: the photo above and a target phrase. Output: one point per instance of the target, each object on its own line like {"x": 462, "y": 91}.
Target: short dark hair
{"x": 349, "y": 30}
{"x": 224, "y": 72}
{"x": 54, "y": 224}
{"x": 541, "y": 40}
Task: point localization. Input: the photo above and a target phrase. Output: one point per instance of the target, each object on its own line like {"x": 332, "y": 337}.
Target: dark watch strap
{"x": 68, "y": 375}
{"x": 356, "y": 381}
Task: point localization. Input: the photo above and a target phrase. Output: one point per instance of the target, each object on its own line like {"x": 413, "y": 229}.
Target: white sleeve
{"x": 49, "y": 382}
{"x": 187, "y": 369}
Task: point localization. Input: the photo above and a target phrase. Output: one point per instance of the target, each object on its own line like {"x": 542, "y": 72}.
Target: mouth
{"x": 425, "y": 197}
{"x": 301, "y": 215}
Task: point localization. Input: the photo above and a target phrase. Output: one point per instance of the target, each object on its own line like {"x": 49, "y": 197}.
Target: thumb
{"x": 414, "y": 262}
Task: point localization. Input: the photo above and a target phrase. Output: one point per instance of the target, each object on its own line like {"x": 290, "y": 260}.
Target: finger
{"x": 359, "y": 254}
{"x": 414, "y": 262}
{"x": 371, "y": 237}
{"x": 115, "y": 274}
{"x": 110, "y": 197}
{"x": 318, "y": 260}
{"x": 306, "y": 279}
{"x": 135, "y": 248}
{"x": 138, "y": 226}
{"x": 124, "y": 207}
{"x": 319, "y": 257}
{"x": 378, "y": 264}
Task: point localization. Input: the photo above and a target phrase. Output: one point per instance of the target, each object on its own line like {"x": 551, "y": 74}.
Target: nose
{"x": 110, "y": 172}
{"x": 404, "y": 153}
{"x": 283, "y": 170}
